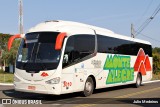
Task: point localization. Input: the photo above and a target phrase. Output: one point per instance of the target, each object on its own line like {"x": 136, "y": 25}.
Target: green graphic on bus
{"x": 120, "y": 69}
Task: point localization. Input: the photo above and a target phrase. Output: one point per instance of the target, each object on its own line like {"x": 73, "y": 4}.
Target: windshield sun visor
{"x": 59, "y": 40}
{"x": 12, "y": 38}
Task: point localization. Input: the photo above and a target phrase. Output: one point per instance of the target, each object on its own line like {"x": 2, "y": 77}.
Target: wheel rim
{"x": 88, "y": 87}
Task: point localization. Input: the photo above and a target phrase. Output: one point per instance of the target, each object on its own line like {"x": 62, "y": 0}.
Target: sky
{"x": 115, "y": 15}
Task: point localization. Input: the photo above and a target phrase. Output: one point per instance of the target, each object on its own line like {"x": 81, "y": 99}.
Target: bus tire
{"x": 88, "y": 88}
{"x": 138, "y": 80}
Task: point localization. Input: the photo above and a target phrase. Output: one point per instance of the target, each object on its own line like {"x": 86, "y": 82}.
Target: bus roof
{"x": 67, "y": 26}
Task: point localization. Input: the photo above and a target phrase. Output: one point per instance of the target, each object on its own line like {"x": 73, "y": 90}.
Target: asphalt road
{"x": 121, "y": 96}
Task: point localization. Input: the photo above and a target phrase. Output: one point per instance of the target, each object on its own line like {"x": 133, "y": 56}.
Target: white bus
{"x": 58, "y": 57}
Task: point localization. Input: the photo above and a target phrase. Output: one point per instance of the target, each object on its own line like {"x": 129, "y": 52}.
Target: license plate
{"x": 31, "y": 87}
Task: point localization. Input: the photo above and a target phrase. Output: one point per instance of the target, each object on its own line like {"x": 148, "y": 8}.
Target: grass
{"x": 156, "y": 76}
{"x": 6, "y": 77}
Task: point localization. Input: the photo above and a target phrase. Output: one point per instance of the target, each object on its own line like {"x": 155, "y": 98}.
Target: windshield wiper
{"x": 32, "y": 51}
{"x": 30, "y": 57}
{"x": 37, "y": 54}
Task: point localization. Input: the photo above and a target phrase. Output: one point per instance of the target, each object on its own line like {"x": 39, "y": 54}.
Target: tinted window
{"x": 78, "y": 47}
{"x": 120, "y": 46}
{"x": 84, "y": 45}
{"x": 37, "y": 52}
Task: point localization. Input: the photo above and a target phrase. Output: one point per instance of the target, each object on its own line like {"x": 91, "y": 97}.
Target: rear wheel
{"x": 138, "y": 80}
{"x": 89, "y": 87}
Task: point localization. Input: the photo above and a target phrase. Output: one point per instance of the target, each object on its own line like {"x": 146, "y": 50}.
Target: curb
{"x": 151, "y": 81}
{"x": 7, "y": 84}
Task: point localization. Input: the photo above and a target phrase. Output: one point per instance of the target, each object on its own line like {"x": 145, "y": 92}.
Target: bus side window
{"x": 78, "y": 47}
{"x": 84, "y": 45}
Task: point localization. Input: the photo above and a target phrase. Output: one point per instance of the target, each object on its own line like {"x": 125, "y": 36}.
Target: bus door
{"x": 75, "y": 59}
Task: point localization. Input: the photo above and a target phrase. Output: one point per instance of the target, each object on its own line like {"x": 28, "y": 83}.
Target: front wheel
{"x": 138, "y": 80}
{"x": 89, "y": 87}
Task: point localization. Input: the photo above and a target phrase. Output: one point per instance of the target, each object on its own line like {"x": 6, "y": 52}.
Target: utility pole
{"x": 21, "y": 16}
{"x": 132, "y": 31}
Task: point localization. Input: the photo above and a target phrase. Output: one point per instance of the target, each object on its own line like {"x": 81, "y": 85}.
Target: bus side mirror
{"x": 59, "y": 40}
{"x": 11, "y": 39}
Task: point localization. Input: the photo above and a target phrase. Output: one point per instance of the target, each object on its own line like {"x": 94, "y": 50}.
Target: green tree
{"x": 3, "y": 44}
{"x": 156, "y": 50}
{"x": 8, "y": 57}
{"x": 156, "y": 60}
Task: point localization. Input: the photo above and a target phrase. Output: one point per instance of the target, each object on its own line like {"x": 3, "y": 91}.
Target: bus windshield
{"x": 37, "y": 51}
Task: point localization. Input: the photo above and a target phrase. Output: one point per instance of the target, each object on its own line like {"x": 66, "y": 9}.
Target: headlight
{"x": 53, "y": 81}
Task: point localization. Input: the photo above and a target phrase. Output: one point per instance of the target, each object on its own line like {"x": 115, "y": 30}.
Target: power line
{"x": 146, "y": 10}
{"x": 145, "y": 24}
{"x": 142, "y": 27}
{"x": 149, "y": 37}
{"x": 148, "y": 7}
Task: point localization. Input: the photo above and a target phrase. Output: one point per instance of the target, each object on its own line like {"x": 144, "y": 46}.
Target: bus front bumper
{"x": 37, "y": 88}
